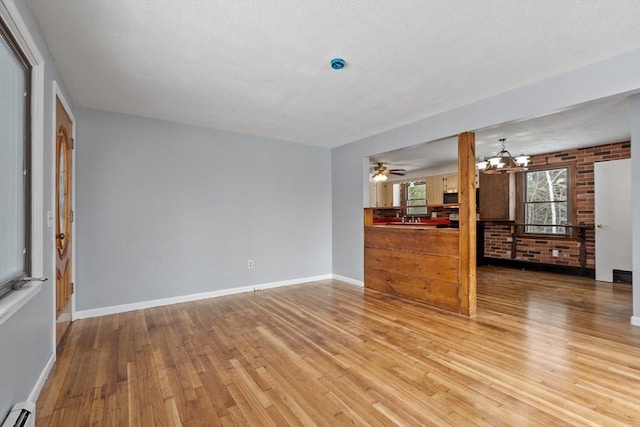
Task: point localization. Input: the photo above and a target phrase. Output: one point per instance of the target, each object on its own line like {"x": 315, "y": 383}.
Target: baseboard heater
{"x": 22, "y": 414}
{"x": 622, "y": 276}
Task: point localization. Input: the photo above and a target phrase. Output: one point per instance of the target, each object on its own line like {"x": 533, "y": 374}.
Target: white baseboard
{"x": 37, "y": 388}
{"x": 115, "y": 309}
{"x": 348, "y": 280}
{"x": 291, "y": 282}
{"x": 635, "y": 320}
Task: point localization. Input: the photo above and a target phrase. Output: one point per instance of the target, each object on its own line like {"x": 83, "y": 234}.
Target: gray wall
{"x": 26, "y": 338}
{"x": 605, "y": 78}
{"x": 166, "y": 210}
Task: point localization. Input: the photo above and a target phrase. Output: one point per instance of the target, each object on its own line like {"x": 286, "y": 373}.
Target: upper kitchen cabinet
{"x": 381, "y": 194}
{"x": 434, "y": 190}
{"x": 437, "y": 185}
{"x": 498, "y": 197}
{"x": 450, "y": 183}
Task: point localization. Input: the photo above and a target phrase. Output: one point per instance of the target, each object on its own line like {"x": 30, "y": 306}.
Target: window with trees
{"x": 547, "y": 200}
{"x": 416, "y": 195}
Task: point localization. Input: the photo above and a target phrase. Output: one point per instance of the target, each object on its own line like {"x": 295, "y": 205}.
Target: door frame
{"x": 57, "y": 94}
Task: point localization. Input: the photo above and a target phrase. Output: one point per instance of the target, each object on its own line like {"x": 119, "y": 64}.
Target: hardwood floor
{"x": 543, "y": 350}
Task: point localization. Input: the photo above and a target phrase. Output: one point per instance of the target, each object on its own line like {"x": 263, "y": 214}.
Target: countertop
{"x": 406, "y": 225}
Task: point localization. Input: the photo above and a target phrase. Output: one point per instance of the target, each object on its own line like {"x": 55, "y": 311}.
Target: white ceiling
{"x": 262, "y": 67}
{"x": 599, "y": 122}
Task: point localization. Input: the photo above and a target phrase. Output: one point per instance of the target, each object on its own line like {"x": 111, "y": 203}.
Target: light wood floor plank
{"x": 543, "y": 350}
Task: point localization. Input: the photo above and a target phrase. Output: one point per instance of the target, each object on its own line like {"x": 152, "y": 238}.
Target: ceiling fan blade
{"x": 400, "y": 172}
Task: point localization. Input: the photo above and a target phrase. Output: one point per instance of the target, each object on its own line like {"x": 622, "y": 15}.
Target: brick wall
{"x": 540, "y": 249}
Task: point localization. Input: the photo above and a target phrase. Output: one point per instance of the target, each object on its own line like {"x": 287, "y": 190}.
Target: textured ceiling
{"x": 599, "y": 122}
{"x": 262, "y": 67}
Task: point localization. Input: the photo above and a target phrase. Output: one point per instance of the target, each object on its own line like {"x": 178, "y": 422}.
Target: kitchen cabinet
{"x": 498, "y": 197}
{"x": 381, "y": 194}
{"x": 437, "y": 185}
{"x": 434, "y": 190}
{"x": 372, "y": 195}
{"x": 450, "y": 183}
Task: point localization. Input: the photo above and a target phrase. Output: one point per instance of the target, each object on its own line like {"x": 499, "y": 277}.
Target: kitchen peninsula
{"x": 414, "y": 260}
{"x": 419, "y": 260}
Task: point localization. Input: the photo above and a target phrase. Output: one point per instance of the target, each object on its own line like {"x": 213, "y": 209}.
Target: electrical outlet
{"x": 250, "y": 263}
{"x": 555, "y": 253}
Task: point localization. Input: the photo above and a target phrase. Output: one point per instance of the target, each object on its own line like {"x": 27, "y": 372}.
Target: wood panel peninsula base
{"x": 417, "y": 262}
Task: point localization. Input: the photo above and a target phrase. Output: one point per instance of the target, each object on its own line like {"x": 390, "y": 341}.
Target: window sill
{"x": 546, "y": 236}
{"x": 15, "y": 300}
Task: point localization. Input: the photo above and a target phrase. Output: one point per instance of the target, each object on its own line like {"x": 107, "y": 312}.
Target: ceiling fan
{"x": 380, "y": 172}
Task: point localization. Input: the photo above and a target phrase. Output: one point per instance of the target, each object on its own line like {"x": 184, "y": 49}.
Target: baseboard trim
{"x": 264, "y": 286}
{"x": 348, "y": 280}
{"x": 37, "y": 388}
{"x": 536, "y": 266}
{"x": 123, "y": 308}
{"x": 635, "y": 320}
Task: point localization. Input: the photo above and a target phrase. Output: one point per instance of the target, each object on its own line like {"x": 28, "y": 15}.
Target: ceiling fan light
{"x": 377, "y": 177}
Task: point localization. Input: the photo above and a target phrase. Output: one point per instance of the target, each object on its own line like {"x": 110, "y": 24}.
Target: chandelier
{"x": 503, "y": 162}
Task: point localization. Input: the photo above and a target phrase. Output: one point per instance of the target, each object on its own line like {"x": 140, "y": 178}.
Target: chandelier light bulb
{"x": 495, "y": 161}
{"x": 481, "y": 164}
{"x": 522, "y": 160}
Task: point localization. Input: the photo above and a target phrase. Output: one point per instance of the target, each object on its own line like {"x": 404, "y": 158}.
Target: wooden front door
{"x": 64, "y": 127}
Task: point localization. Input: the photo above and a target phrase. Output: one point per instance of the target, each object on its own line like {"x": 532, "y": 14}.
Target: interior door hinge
{"x": 73, "y": 287}
{"x": 73, "y": 143}
{"x": 73, "y": 215}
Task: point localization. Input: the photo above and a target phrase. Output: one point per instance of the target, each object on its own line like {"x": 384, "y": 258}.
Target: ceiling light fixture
{"x": 337, "y": 63}
{"x": 381, "y": 172}
{"x": 379, "y": 177}
{"x": 503, "y": 162}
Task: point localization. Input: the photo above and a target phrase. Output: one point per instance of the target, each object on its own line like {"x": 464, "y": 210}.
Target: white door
{"x": 613, "y": 217}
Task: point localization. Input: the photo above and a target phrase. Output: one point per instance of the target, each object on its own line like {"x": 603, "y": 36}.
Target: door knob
{"x": 601, "y": 226}
{"x": 60, "y": 236}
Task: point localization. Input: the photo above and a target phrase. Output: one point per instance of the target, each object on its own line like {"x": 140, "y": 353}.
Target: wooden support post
{"x": 368, "y": 217}
{"x": 467, "y": 217}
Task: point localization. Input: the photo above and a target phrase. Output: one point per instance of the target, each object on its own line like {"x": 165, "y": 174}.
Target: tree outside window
{"x": 546, "y": 201}
{"x": 416, "y": 196}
